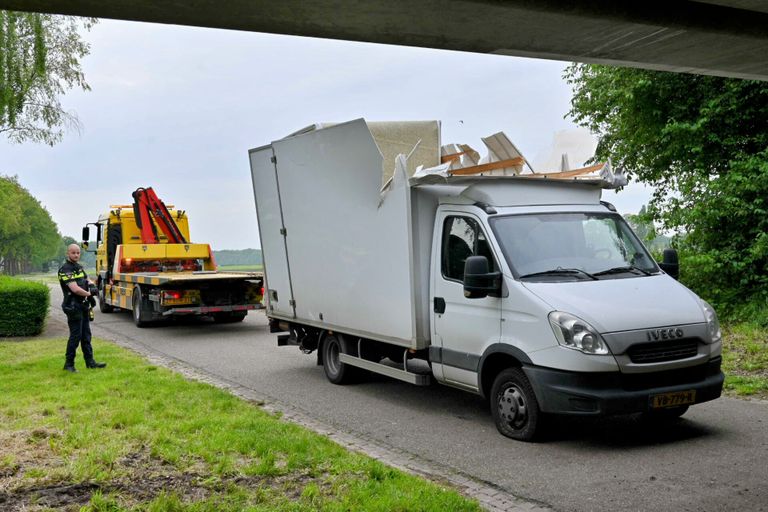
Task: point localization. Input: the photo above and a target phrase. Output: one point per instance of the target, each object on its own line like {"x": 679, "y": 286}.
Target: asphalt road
{"x": 714, "y": 459}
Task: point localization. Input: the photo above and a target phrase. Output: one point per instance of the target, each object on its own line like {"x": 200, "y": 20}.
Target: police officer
{"x": 74, "y": 284}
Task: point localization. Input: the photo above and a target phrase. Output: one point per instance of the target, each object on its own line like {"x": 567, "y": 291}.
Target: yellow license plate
{"x": 674, "y": 399}
{"x": 178, "y": 302}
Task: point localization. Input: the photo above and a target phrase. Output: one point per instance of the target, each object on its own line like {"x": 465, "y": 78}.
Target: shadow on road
{"x": 626, "y": 432}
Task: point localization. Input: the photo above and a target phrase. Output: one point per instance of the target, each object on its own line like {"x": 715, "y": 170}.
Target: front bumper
{"x": 598, "y": 394}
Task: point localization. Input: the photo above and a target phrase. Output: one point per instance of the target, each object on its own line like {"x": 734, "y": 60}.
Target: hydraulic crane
{"x": 147, "y": 206}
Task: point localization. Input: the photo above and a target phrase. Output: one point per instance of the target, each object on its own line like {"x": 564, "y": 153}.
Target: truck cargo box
{"x": 337, "y": 234}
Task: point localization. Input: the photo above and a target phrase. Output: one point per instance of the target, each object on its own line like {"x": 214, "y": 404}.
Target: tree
{"x": 702, "y": 142}
{"x": 39, "y": 61}
{"x": 28, "y": 236}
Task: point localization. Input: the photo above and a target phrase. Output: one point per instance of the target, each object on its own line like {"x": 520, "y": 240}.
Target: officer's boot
{"x": 70, "y": 366}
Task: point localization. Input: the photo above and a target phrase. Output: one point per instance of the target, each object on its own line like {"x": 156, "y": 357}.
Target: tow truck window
{"x": 463, "y": 237}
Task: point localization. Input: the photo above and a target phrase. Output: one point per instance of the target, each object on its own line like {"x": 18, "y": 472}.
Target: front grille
{"x": 661, "y": 351}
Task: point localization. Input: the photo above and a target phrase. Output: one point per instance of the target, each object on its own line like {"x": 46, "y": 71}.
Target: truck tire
{"x": 103, "y": 306}
{"x": 336, "y": 371}
{"x": 139, "y": 315}
{"x": 514, "y": 406}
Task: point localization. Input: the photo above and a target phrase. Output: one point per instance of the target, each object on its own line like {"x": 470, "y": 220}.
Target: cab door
{"x": 462, "y": 327}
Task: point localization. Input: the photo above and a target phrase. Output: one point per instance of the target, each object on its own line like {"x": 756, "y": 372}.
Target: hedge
{"x": 23, "y": 307}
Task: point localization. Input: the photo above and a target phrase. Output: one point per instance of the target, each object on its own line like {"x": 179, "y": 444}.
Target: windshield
{"x": 571, "y": 246}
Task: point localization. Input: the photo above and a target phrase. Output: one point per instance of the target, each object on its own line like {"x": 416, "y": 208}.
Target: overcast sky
{"x": 177, "y": 108}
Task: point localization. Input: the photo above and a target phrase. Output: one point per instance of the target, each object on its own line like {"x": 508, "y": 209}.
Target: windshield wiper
{"x": 621, "y": 270}
{"x": 559, "y": 270}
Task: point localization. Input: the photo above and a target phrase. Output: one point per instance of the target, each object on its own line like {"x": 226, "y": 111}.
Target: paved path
{"x": 715, "y": 458}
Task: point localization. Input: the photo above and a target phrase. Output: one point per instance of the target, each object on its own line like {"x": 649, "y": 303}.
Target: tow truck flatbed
{"x": 164, "y": 278}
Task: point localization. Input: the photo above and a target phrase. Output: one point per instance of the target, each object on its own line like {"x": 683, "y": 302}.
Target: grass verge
{"x": 138, "y": 437}
{"x": 745, "y": 359}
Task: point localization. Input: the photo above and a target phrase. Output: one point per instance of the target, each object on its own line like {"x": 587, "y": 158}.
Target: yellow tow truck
{"x": 160, "y": 275}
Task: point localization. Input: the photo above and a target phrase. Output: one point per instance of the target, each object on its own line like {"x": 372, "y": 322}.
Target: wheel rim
{"x": 513, "y": 408}
{"x": 136, "y": 312}
{"x": 332, "y": 357}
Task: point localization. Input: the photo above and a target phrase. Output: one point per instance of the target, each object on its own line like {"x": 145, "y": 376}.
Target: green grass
{"x": 745, "y": 359}
{"x": 138, "y": 437}
{"x": 244, "y": 268}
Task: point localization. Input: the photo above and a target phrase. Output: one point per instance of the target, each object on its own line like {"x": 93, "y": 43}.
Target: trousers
{"x": 79, "y": 334}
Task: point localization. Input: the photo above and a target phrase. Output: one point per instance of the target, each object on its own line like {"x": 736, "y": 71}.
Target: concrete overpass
{"x": 718, "y": 37}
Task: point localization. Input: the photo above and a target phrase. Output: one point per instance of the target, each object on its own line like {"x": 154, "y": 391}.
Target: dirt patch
{"x": 64, "y": 497}
{"x": 25, "y": 450}
{"x": 142, "y": 478}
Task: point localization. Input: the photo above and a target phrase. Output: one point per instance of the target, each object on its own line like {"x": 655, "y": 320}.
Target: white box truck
{"x": 530, "y": 292}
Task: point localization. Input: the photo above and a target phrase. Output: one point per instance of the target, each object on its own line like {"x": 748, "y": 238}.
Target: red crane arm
{"x": 147, "y": 206}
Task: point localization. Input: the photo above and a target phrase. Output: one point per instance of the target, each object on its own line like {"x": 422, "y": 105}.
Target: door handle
{"x": 439, "y": 305}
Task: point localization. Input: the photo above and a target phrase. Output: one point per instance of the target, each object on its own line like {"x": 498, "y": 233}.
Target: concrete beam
{"x": 717, "y": 37}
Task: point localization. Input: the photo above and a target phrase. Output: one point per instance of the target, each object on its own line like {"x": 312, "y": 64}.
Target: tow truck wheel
{"x": 514, "y": 406}
{"x": 103, "y": 306}
{"x": 139, "y": 316}
{"x": 336, "y": 371}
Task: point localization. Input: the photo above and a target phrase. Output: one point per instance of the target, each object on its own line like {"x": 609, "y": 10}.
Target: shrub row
{"x": 23, "y": 307}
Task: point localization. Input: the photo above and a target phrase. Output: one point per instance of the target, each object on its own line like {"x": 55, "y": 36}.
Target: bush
{"x": 23, "y": 307}
{"x": 727, "y": 285}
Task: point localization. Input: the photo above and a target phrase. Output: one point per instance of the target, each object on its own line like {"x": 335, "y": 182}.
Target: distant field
{"x": 246, "y": 268}
{"x": 51, "y": 277}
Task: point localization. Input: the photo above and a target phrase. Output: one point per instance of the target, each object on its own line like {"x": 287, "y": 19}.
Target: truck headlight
{"x": 713, "y": 324}
{"x": 573, "y": 332}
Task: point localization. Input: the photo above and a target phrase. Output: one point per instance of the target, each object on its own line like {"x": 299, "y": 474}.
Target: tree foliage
{"x": 29, "y": 238}
{"x": 39, "y": 61}
{"x": 702, "y": 142}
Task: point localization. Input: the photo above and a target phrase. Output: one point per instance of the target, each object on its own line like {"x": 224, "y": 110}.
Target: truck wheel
{"x": 514, "y": 406}
{"x": 336, "y": 371}
{"x": 139, "y": 316}
{"x": 103, "y": 306}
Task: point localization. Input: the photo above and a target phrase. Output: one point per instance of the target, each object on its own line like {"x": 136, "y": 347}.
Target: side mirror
{"x": 479, "y": 282}
{"x": 670, "y": 263}
{"x": 87, "y": 242}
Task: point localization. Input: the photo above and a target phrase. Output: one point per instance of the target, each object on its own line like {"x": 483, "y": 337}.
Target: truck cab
{"x": 568, "y": 314}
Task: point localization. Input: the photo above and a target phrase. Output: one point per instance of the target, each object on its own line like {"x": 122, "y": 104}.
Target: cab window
{"x": 463, "y": 237}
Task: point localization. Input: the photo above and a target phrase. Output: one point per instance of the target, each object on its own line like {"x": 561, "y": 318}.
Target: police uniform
{"x": 76, "y": 308}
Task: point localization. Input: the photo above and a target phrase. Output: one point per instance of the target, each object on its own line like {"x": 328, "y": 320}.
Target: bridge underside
{"x": 718, "y": 37}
